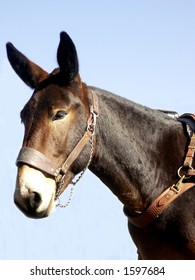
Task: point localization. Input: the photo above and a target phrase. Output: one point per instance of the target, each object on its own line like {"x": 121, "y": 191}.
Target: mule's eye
{"x": 59, "y": 115}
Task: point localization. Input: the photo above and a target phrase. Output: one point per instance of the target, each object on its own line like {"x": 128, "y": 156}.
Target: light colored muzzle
{"x": 35, "y": 193}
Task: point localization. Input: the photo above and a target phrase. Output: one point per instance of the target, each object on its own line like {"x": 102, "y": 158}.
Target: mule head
{"x": 54, "y": 119}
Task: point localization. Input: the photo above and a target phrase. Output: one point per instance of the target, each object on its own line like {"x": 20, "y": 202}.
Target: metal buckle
{"x": 184, "y": 168}
{"x": 176, "y": 187}
{"x": 92, "y": 124}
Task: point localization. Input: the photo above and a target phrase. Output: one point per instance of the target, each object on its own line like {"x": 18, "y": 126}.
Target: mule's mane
{"x": 128, "y": 108}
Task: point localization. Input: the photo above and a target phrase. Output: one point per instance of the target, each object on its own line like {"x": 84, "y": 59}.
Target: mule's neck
{"x": 138, "y": 150}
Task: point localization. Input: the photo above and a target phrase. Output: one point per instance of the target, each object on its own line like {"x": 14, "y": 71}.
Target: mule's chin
{"x": 34, "y": 194}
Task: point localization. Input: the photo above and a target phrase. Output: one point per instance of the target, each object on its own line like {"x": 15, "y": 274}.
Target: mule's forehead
{"x": 52, "y": 96}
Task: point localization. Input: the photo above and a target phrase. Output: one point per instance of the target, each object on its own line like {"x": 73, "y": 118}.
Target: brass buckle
{"x": 176, "y": 187}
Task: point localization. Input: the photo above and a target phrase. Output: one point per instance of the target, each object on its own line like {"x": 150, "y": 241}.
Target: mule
{"x": 134, "y": 150}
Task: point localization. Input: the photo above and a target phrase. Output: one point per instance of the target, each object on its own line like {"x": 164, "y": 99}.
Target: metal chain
{"x": 68, "y": 201}
{"x": 73, "y": 183}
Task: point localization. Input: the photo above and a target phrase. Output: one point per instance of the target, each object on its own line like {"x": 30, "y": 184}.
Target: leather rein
{"x": 38, "y": 160}
{"x": 184, "y": 183}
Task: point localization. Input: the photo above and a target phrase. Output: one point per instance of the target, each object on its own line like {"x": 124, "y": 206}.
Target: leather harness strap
{"x": 173, "y": 192}
{"x": 189, "y": 120}
{"x": 160, "y": 203}
{"x": 75, "y": 153}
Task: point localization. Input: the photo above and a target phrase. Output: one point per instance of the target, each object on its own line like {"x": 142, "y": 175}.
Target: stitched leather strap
{"x": 157, "y": 207}
{"x": 75, "y": 153}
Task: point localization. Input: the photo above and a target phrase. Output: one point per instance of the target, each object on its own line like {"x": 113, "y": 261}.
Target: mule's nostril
{"x": 35, "y": 199}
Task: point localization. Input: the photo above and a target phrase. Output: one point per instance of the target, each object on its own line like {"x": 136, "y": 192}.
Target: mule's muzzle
{"x": 34, "y": 193}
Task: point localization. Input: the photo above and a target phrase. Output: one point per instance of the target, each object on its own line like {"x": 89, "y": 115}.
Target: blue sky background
{"x": 143, "y": 50}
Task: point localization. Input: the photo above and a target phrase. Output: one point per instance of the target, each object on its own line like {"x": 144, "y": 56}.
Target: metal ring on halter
{"x": 182, "y": 169}
{"x": 92, "y": 124}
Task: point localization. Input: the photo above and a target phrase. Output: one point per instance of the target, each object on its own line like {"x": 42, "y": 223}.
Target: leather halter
{"x": 38, "y": 160}
{"x": 184, "y": 172}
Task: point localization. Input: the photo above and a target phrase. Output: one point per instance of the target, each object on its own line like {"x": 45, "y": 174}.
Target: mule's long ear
{"x": 67, "y": 58}
{"x": 27, "y": 70}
